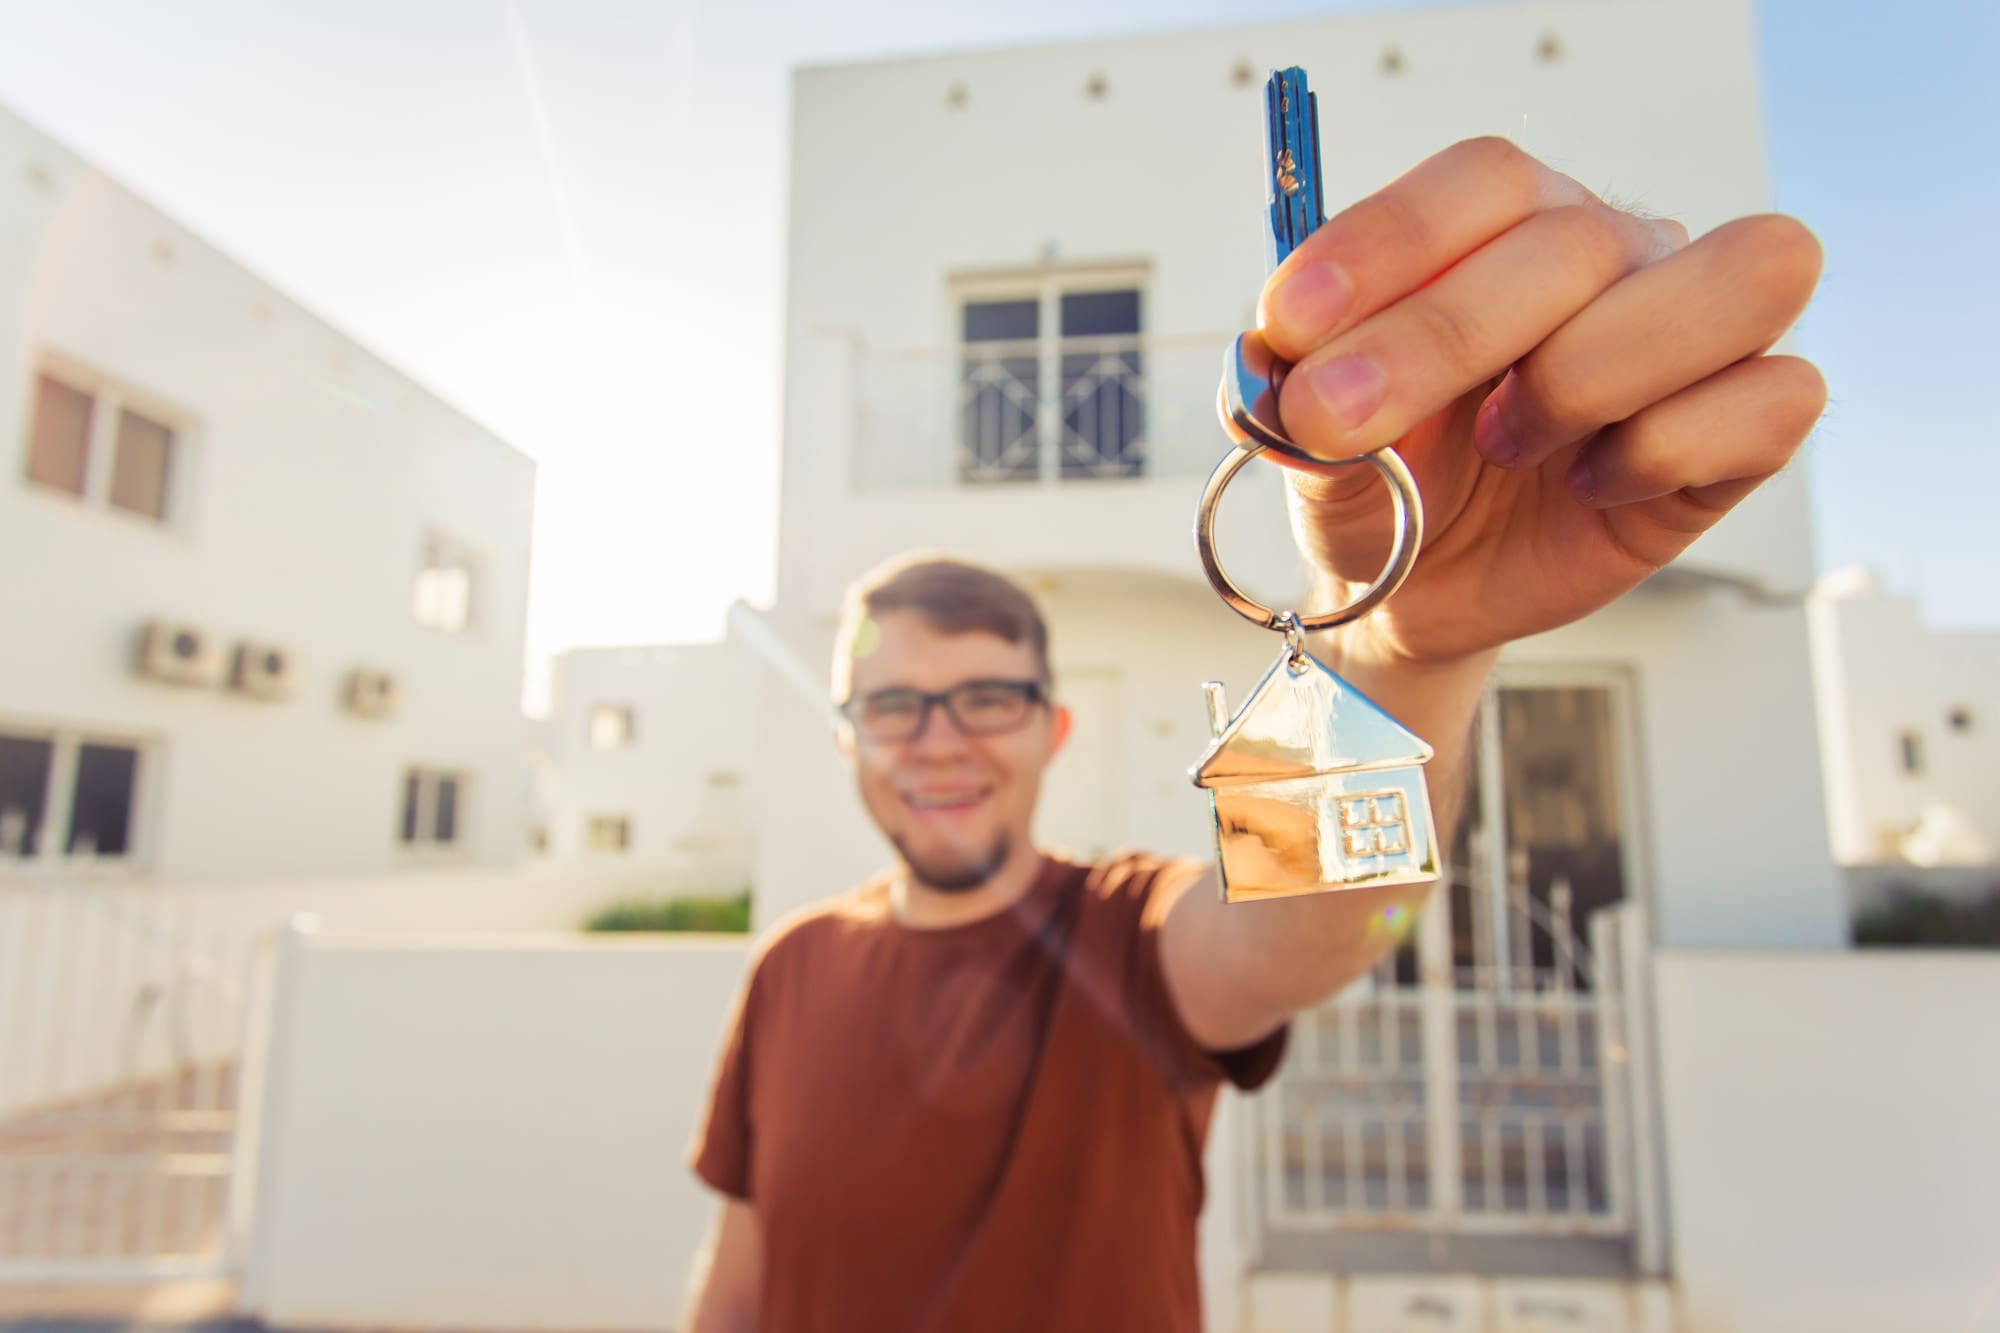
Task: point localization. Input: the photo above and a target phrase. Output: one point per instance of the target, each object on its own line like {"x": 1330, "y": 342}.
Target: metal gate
{"x": 1491, "y": 1079}
{"x": 121, "y": 1032}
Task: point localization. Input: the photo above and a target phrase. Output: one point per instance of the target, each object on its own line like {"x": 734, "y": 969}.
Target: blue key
{"x": 1252, "y": 374}
{"x": 1291, "y": 160}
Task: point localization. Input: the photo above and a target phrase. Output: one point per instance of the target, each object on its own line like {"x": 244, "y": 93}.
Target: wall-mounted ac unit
{"x": 179, "y": 654}
{"x": 371, "y": 693}
{"x": 264, "y": 671}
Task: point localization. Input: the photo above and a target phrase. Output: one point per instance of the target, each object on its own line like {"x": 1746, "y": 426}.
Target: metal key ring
{"x": 1409, "y": 519}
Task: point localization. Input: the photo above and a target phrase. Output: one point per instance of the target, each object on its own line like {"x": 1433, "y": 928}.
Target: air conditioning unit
{"x": 371, "y": 693}
{"x": 179, "y": 654}
{"x": 263, "y": 671}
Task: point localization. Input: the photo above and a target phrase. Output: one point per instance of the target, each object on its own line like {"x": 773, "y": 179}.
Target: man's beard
{"x": 962, "y": 875}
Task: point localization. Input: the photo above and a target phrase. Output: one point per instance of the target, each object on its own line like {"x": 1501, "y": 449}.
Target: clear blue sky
{"x": 533, "y": 207}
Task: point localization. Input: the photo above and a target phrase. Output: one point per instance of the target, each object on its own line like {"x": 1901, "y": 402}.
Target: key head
{"x": 1297, "y": 203}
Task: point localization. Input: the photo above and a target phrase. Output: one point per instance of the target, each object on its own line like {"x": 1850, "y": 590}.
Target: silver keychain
{"x": 1313, "y": 787}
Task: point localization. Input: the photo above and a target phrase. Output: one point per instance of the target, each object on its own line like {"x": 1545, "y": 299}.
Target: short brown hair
{"x": 953, "y": 596}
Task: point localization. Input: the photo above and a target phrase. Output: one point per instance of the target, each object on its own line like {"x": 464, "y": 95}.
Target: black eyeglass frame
{"x": 1035, "y": 693}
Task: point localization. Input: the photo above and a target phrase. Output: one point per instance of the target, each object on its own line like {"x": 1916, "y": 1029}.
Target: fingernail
{"x": 1350, "y": 389}
{"x": 1491, "y": 437}
{"x": 1582, "y": 486}
{"x": 1309, "y": 303}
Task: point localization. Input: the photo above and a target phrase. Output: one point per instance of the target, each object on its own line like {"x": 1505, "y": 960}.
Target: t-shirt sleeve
{"x": 721, "y": 1150}
{"x": 1185, "y": 1061}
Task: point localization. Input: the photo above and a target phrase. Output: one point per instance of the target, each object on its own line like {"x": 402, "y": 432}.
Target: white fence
{"x": 125, "y": 1019}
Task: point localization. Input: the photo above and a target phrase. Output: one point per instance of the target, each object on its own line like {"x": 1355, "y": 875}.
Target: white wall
{"x": 894, "y": 192}
{"x": 486, "y": 1137}
{"x": 314, "y": 473}
{"x": 1830, "y": 1146}
{"x": 101, "y": 984}
{"x": 1879, "y": 672}
{"x": 685, "y": 781}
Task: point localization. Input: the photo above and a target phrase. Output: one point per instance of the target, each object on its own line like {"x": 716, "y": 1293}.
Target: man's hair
{"x": 953, "y": 596}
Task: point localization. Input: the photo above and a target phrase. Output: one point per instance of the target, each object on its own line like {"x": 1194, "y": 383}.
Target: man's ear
{"x": 843, "y": 737}
{"x": 1060, "y": 722}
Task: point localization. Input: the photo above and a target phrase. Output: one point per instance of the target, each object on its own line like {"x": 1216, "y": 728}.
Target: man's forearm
{"x": 1301, "y": 950}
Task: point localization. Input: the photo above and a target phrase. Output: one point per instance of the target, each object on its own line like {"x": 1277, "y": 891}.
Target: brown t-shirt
{"x": 992, "y": 1127}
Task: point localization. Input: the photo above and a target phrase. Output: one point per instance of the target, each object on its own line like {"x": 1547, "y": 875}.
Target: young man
{"x": 972, "y": 1096}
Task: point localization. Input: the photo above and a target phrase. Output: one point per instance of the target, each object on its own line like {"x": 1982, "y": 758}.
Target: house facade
{"x": 265, "y": 594}
{"x": 647, "y": 751}
{"x": 1013, "y": 276}
{"x": 1906, "y": 715}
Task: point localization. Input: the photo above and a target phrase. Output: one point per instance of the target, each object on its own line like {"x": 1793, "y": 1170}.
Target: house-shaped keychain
{"x": 1315, "y": 788}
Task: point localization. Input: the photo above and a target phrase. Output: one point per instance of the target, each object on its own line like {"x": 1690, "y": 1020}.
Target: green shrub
{"x": 713, "y": 915}
{"x": 1913, "y": 918}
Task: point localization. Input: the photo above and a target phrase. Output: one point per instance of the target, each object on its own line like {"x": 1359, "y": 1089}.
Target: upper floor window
{"x": 1051, "y": 379}
{"x": 611, "y": 727}
{"x": 104, "y": 444}
{"x": 443, "y": 597}
{"x": 65, "y": 797}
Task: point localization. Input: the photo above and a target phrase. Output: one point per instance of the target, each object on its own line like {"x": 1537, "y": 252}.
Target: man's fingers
{"x": 1670, "y": 324}
{"x": 1668, "y": 473}
{"x": 1402, "y": 236}
{"x": 1374, "y": 383}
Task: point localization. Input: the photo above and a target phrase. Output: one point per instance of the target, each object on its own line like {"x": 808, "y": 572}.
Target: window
{"x": 608, "y": 833}
{"x": 433, "y": 812}
{"x": 1374, "y": 823}
{"x": 444, "y": 585}
{"x": 610, "y": 727}
{"x": 1051, "y": 381}
{"x": 67, "y": 798}
{"x": 1959, "y": 719}
{"x": 96, "y": 442}
{"x": 1910, "y": 748}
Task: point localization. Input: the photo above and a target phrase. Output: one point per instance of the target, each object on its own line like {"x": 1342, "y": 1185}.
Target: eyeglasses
{"x": 977, "y": 708}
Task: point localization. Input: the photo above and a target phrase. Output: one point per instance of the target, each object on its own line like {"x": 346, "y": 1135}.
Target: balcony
{"x": 1095, "y": 411}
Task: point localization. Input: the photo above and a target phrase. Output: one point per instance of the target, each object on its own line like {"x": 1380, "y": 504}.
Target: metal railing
{"x": 1046, "y": 411}
{"x": 121, "y": 1033}
{"x": 1462, "y": 1106}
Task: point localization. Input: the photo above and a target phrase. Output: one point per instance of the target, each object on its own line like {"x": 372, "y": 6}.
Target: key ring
{"x": 1409, "y": 519}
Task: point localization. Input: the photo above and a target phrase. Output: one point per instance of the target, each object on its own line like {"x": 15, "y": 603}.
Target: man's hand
{"x": 1579, "y": 391}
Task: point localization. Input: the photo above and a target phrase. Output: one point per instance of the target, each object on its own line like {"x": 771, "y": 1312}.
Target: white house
{"x": 648, "y": 752}
{"x": 265, "y": 594}
{"x": 1906, "y": 718}
{"x": 1012, "y": 278}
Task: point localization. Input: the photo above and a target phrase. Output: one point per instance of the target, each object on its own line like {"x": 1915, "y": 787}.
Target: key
{"x": 1291, "y": 157}
{"x": 1295, "y": 206}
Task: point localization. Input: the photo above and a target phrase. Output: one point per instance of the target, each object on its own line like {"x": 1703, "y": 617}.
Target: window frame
{"x": 110, "y": 397}
{"x": 429, "y": 778}
{"x": 590, "y": 825}
{"x": 59, "y": 808}
{"x": 439, "y": 551}
{"x": 1046, "y": 286}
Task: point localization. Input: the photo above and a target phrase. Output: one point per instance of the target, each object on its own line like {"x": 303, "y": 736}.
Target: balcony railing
{"x": 1050, "y": 411}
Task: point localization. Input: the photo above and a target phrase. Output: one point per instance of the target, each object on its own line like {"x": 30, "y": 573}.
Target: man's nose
{"x": 937, "y": 729}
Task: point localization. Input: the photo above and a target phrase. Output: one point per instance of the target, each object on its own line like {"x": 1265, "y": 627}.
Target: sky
{"x": 550, "y": 210}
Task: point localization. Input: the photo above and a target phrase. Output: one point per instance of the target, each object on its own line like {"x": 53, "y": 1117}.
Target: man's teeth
{"x": 942, "y": 800}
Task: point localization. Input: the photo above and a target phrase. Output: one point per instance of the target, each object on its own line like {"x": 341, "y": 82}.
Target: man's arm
{"x": 729, "y": 1275}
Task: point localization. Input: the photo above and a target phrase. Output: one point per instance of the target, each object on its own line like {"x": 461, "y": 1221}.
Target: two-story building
{"x": 1013, "y": 275}
{"x": 264, "y": 594}
{"x": 645, "y": 758}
